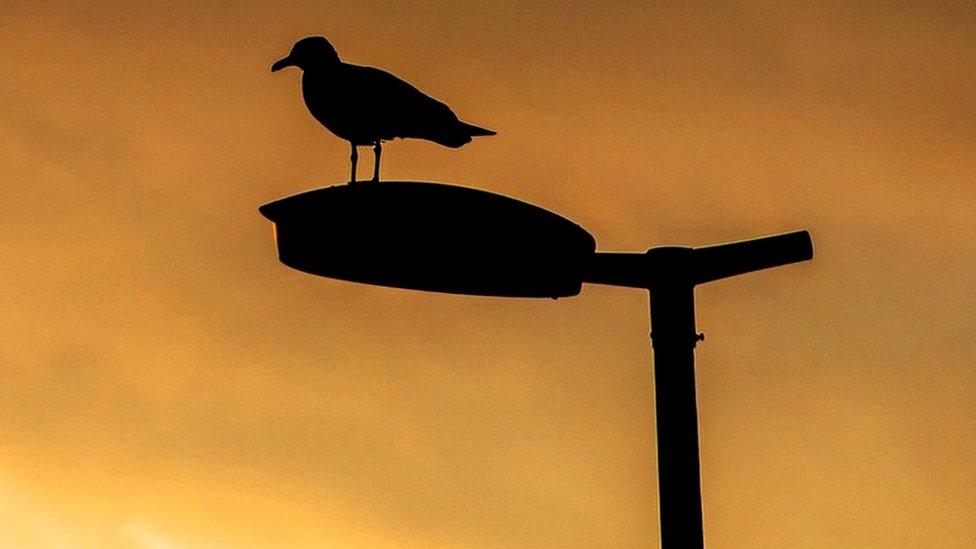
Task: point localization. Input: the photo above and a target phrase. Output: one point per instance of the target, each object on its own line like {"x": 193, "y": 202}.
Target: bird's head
{"x": 309, "y": 52}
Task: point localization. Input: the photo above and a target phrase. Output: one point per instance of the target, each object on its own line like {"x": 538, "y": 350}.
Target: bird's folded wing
{"x": 407, "y": 110}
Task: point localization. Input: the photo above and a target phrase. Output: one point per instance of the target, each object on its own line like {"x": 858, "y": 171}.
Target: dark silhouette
{"x": 366, "y": 106}
{"x": 447, "y": 238}
{"x": 444, "y": 238}
{"x": 434, "y": 237}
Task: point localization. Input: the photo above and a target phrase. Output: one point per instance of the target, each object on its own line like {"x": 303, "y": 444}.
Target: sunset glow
{"x": 168, "y": 383}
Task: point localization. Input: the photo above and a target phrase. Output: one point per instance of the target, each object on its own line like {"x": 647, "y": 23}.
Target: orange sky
{"x": 167, "y": 383}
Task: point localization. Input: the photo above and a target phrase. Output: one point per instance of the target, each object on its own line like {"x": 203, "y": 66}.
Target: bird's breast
{"x": 341, "y": 109}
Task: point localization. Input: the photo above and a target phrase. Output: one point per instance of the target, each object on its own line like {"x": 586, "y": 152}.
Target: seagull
{"x": 366, "y": 106}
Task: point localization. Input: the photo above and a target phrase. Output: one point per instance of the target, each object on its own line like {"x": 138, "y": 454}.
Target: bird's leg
{"x": 354, "y": 157}
{"x": 377, "y": 149}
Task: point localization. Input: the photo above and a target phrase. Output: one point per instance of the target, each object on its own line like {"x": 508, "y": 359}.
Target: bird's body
{"x": 363, "y": 104}
{"x": 367, "y": 106}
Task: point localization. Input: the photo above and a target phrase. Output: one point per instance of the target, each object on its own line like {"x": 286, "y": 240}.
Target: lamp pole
{"x": 445, "y": 238}
{"x": 669, "y": 274}
{"x": 673, "y": 338}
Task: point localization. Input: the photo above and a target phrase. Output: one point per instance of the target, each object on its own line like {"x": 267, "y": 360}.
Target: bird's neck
{"x": 323, "y": 69}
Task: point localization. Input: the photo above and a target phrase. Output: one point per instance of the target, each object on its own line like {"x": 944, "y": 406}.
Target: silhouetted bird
{"x": 367, "y": 106}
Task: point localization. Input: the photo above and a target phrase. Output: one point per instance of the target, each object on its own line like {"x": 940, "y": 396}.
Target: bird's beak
{"x": 282, "y": 63}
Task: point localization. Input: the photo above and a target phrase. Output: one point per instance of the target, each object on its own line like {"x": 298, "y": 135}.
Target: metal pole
{"x": 673, "y": 337}
{"x": 408, "y": 252}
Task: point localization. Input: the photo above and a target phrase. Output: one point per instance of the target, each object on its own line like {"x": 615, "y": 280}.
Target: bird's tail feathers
{"x": 475, "y": 131}
{"x": 453, "y": 140}
{"x": 459, "y": 135}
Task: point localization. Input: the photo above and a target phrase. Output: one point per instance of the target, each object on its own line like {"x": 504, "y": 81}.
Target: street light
{"x": 446, "y": 238}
